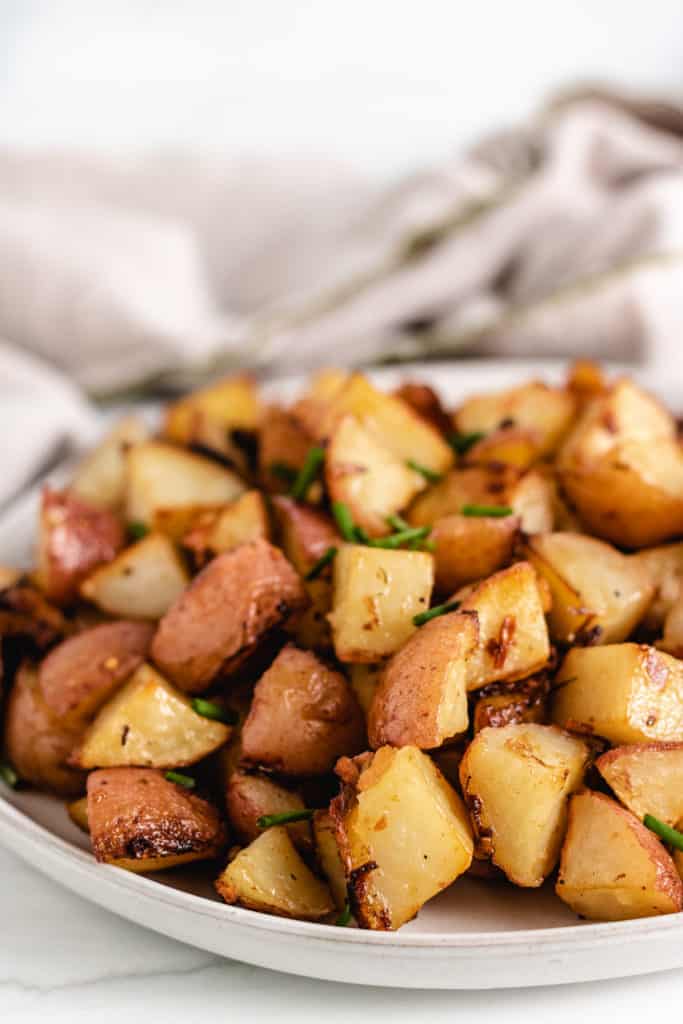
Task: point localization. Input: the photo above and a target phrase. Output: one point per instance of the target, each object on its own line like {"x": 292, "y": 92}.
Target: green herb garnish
{"x": 286, "y": 818}
{"x": 180, "y": 780}
{"x": 321, "y": 564}
{"x": 361, "y": 535}
{"x": 494, "y": 511}
{"x": 461, "y": 443}
{"x": 344, "y": 917}
{"x": 216, "y": 712}
{"x": 283, "y": 472}
{"x": 137, "y": 530}
{"x": 670, "y": 835}
{"x": 433, "y": 613}
{"x": 8, "y": 774}
{"x": 397, "y": 522}
{"x": 395, "y": 540}
{"x": 425, "y": 471}
{"x": 308, "y": 472}
{"x": 344, "y": 520}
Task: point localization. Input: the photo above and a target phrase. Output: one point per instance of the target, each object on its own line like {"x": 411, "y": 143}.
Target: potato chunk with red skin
{"x": 79, "y": 675}
{"x": 422, "y": 696}
{"x": 469, "y": 548}
{"x": 225, "y": 612}
{"x": 304, "y": 716}
{"x": 140, "y": 821}
{"x": 249, "y": 797}
{"x": 74, "y": 539}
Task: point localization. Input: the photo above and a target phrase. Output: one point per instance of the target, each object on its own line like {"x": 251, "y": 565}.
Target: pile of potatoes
{"x": 351, "y": 650}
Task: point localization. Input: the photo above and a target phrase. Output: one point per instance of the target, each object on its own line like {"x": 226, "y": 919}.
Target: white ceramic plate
{"x": 475, "y": 935}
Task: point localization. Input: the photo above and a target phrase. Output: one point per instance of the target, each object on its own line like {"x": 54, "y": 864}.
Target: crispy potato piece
{"x": 37, "y": 742}
{"x": 376, "y": 593}
{"x": 270, "y": 876}
{"x": 101, "y": 477}
{"x": 303, "y": 717}
{"x": 142, "y": 582}
{"x": 516, "y": 781}
{"x": 283, "y": 441}
{"x": 426, "y": 403}
{"x": 78, "y": 676}
{"x": 242, "y": 520}
{"x": 469, "y": 548}
{"x": 162, "y": 476}
{"x": 421, "y": 700}
{"x": 505, "y": 703}
{"x": 507, "y": 446}
{"x": 249, "y": 796}
{"x": 639, "y": 696}
{"x": 664, "y": 566}
{"x": 647, "y": 778}
{"x": 25, "y": 613}
{"x": 78, "y": 812}
{"x": 329, "y": 859}
{"x": 612, "y": 867}
{"x": 232, "y": 403}
{"x": 364, "y": 681}
{"x": 142, "y": 822}
{"x": 597, "y": 592}
{"x": 633, "y": 494}
{"x": 513, "y": 636}
{"x": 402, "y": 832}
{"x": 226, "y": 611}
{"x": 176, "y": 521}
{"x": 74, "y": 538}
{"x": 149, "y": 724}
{"x": 367, "y": 476}
{"x": 535, "y": 406}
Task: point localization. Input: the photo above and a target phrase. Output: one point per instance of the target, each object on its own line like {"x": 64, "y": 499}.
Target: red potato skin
{"x": 75, "y": 539}
{"x": 306, "y": 532}
{"x": 225, "y": 613}
{"x": 136, "y": 813}
{"x": 79, "y": 675}
{"x": 426, "y": 403}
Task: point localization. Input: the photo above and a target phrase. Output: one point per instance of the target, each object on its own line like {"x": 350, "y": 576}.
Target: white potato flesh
{"x": 647, "y": 778}
{"x": 664, "y": 564}
{"x": 140, "y": 583}
{"x": 534, "y": 406}
{"x": 101, "y": 477}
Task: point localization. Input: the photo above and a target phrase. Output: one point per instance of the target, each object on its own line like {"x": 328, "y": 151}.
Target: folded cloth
{"x": 562, "y": 237}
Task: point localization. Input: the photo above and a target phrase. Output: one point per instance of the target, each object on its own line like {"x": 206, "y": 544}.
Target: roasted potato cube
{"x": 507, "y": 446}
{"x": 535, "y": 406}
{"x": 598, "y": 593}
{"x": 421, "y": 700}
{"x": 329, "y": 859}
{"x": 78, "y": 676}
{"x": 37, "y": 742}
{"x": 142, "y": 822}
{"x": 303, "y": 717}
{"x": 149, "y": 724}
{"x": 364, "y": 681}
{"x": 250, "y": 796}
{"x": 469, "y": 548}
{"x": 270, "y": 876}
{"x": 161, "y": 476}
{"x": 376, "y": 593}
{"x": 516, "y": 781}
{"x": 175, "y": 521}
{"x": 664, "y": 566}
{"x": 366, "y": 476}
{"x": 426, "y": 403}
{"x": 504, "y": 703}
{"x": 226, "y": 611}
{"x": 231, "y": 403}
{"x": 101, "y": 478}
{"x": 627, "y": 693}
{"x": 513, "y": 636}
{"x": 283, "y": 441}
{"x": 142, "y": 582}
{"x": 78, "y": 812}
{"x": 612, "y": 867}
{"x": 242, "y": 520}
{"x": 647, "y": 778}
{"x": 305, "y": 533}
{"x": 402, "y": 832}
{"x": 74, "y": 538}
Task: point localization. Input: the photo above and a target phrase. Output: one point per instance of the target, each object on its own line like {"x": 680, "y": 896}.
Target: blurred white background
{"x": 386, "y": 85}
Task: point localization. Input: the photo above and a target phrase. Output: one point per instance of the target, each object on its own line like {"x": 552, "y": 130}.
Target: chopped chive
{"x": 268, "y": 820}
{"x": 428, "y": 545}
{"x": 180, "y": 780}
{"x": 433, "y": 613}
{"x": 8, "y": 774}
{"x": 344, "y": 520}
{"x": 494, "y": 511}
{"x": 344, "y": 917}
{"x": 398, "y": 522}
{"x": 414, "y": 533}
{"x": 425, "y": 471}
{"x": 309, "y": 471}
{"x": 137, "y": 530}
{"x": 216, "y": 712}
{"x": 670, "y": 835}
{"x": 360, "y": 534}
{"x": 321, "y": 564}
{"x": 461, "y": 443}
{"x": 284, "y": 472}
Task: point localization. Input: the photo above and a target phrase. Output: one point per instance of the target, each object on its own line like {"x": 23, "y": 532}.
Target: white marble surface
{"x": 62, "y": 959}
